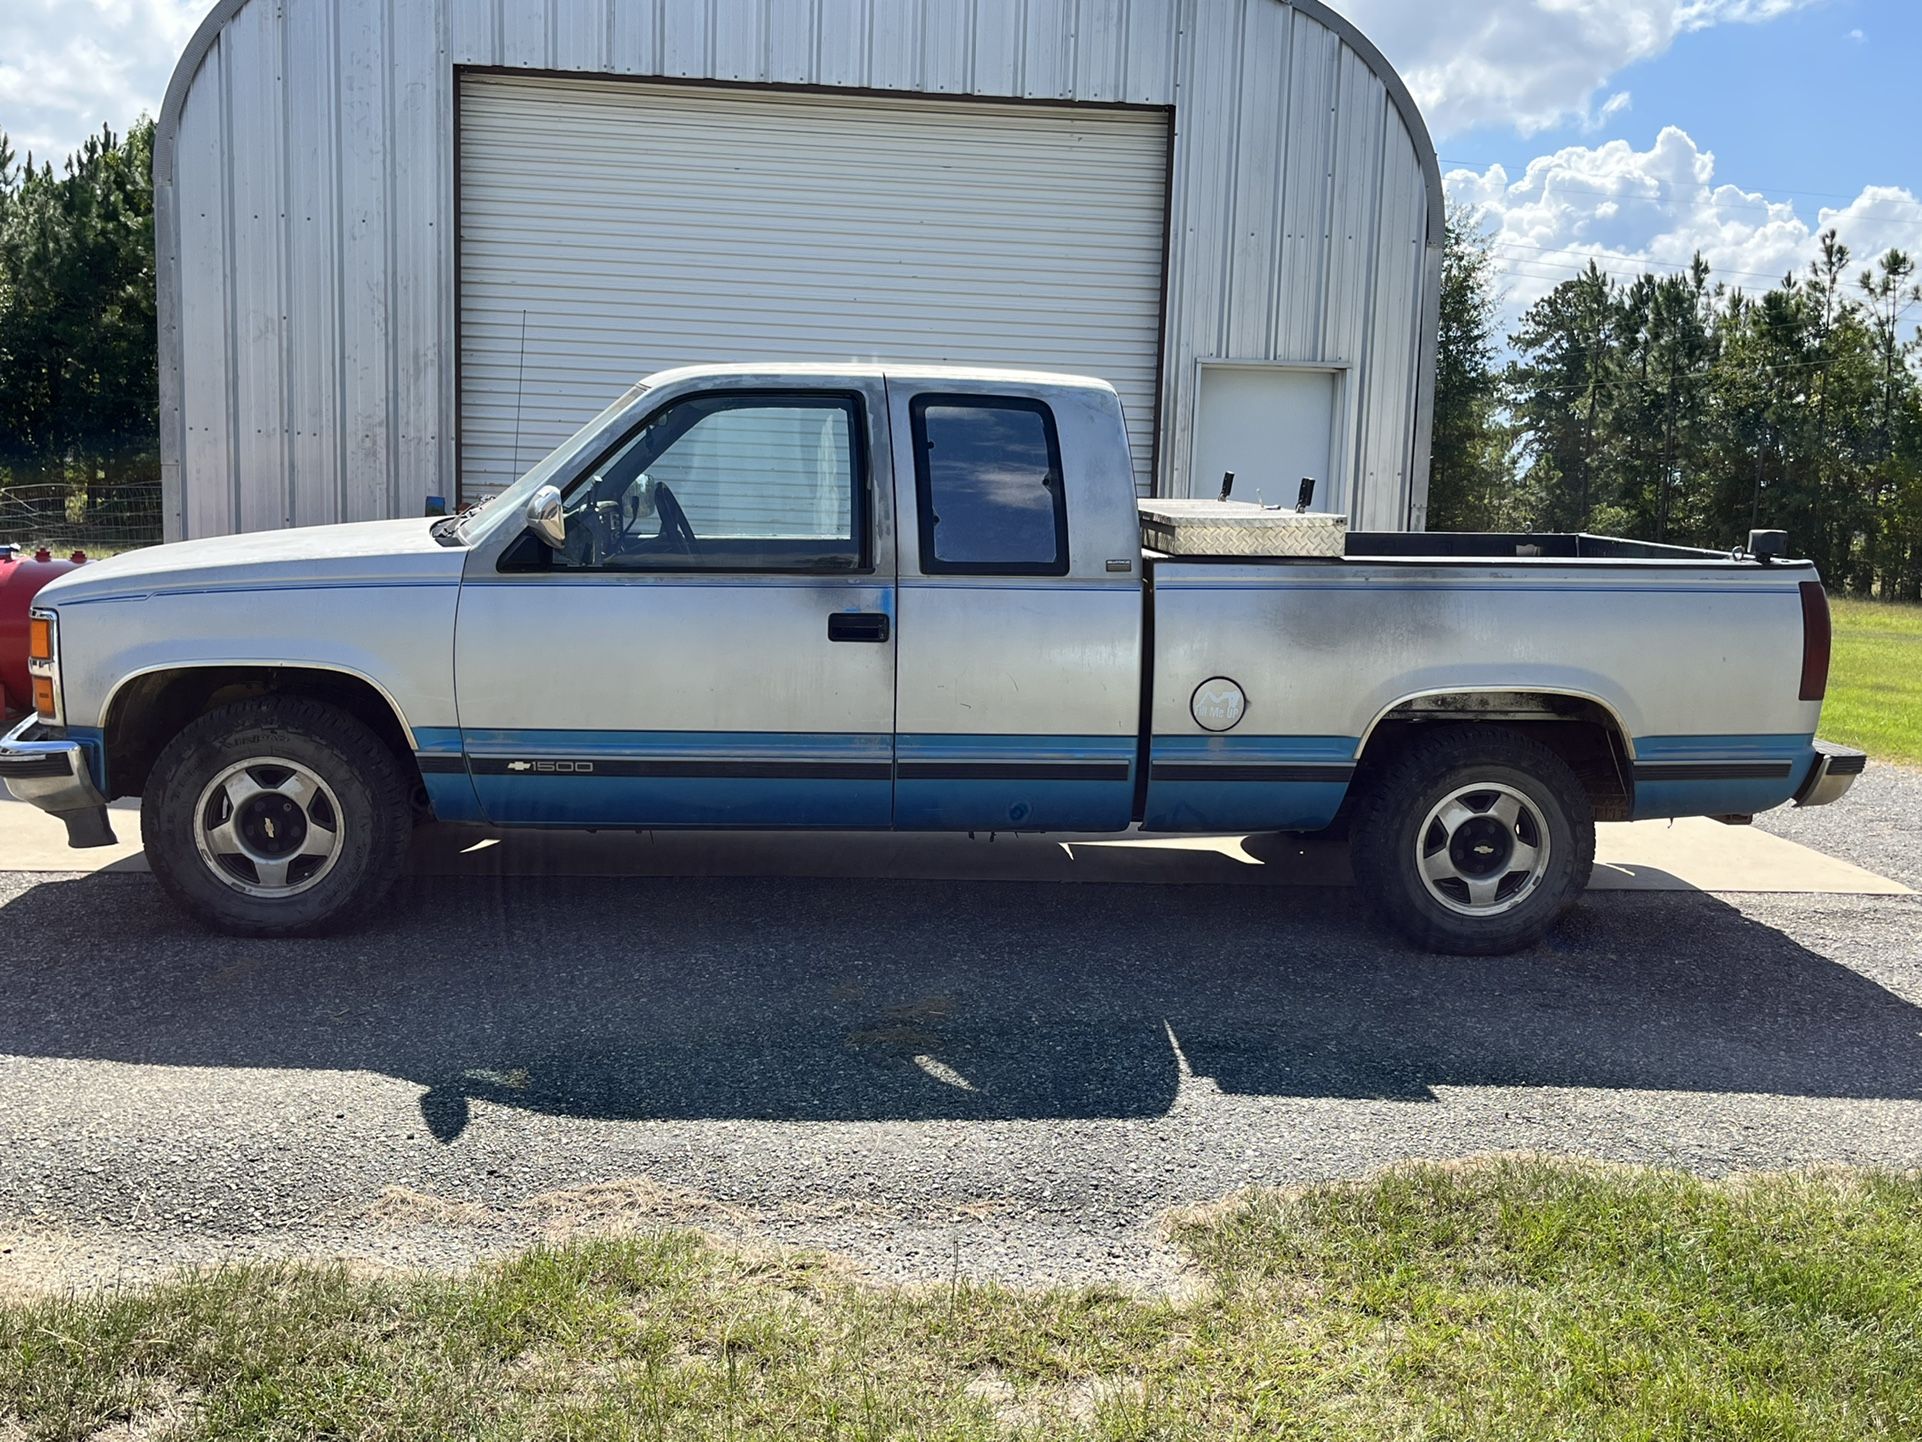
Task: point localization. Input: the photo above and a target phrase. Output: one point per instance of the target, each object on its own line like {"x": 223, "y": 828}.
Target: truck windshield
{"x": 548, "y": 467}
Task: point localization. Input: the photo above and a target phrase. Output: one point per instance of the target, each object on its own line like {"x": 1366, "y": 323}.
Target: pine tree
{"x": 1562, "y": 386}
{"x": 1469, "y": 479}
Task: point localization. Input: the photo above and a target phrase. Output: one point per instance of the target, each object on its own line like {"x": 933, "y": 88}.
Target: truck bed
{"x": 1689, "y": 656}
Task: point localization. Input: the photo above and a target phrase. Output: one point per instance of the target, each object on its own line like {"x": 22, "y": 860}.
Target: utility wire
{"x": 1602, "y": 258}
{"x": 1674, "y": 187}
{"x": 1848, "y": 294}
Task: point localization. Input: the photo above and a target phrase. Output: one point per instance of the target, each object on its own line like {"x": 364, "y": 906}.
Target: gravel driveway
{"x": 1001, "y": 1079}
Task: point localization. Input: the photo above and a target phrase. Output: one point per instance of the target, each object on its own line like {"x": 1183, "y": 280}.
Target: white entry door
{"x": 1271, "y": 426}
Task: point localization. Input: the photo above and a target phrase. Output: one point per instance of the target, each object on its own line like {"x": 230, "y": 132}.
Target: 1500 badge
{"x": 553, "y": 768}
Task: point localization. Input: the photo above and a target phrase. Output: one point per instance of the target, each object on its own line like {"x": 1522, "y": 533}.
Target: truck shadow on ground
{"x": 763, "y": 998}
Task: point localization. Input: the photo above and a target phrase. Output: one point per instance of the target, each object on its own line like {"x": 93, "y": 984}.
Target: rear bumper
{"x": 1833, "y": 773}
{"x": 44, "y": 769}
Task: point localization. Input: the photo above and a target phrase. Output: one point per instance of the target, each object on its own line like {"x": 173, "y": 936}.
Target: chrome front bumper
{"x": 51, "y": 772}
{"x": 1833, "y": 773}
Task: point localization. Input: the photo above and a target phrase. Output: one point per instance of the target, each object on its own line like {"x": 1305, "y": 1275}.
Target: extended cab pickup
{"x": 882, "y": 597}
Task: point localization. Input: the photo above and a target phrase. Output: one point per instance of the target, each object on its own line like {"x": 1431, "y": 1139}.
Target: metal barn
{"x": 407, "y": 245}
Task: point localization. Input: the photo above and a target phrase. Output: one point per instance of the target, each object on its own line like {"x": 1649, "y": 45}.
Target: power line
{"x": 1547, "y": 270}
{"x": 1647, "y": 263}
{"x": 1655, "y": 385}
{"x": 1654, "y": 265}
{"x": 1661, "y": 181}
{"x": 1747, "y": 189}
{"x": 1619, "y": 198}
{"x": 1723, "y": 313}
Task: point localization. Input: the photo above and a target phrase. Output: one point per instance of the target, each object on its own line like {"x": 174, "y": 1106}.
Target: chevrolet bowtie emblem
{"x": 520, "y": 766}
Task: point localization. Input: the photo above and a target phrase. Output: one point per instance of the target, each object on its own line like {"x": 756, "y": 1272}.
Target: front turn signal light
{"x": 39, "y": 639}
{"x": 43, "y": 697}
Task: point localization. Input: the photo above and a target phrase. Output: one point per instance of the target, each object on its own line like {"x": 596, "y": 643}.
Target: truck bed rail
{"x": 1511, "y": 545}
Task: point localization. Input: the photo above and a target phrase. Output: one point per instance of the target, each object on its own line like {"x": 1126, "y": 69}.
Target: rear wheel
{"x": 276, "y": 816}
{"x": 1474, "y": 840}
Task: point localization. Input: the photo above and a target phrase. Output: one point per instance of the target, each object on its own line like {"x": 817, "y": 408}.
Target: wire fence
{"x": 63, "y": 518}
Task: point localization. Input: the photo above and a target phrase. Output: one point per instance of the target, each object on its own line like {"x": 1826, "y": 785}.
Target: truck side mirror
{"x": 546, "y": 517}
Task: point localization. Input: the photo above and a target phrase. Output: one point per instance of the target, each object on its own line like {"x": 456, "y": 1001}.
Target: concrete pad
{"x": 31, "y": 840}
{"x": 1688, "y": 855}
{"x": 1696, "y": 854}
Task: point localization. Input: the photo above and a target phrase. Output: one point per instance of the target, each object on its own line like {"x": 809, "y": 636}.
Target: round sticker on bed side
{"x": 1218, "y": 704}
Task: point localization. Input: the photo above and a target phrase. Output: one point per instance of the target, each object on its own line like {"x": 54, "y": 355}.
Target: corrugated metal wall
{"x": 305, "y": 208}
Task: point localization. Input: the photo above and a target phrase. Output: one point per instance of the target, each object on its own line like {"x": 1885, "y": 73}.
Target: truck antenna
{"x": 520, "y": 387}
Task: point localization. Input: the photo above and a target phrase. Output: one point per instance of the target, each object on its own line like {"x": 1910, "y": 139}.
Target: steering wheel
{"x": 674, "y": 526}
{"x": 603, "y": 527}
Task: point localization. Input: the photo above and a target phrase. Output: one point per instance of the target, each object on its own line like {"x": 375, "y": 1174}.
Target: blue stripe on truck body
{"x": 980, "y": 782}
{"x": 1718, "y": 775}
{"x": 1014, "y": 783}
{"x": 1232, "y": 782}
{"x": 788, "y": 779}
{"x": 682, "y": 778}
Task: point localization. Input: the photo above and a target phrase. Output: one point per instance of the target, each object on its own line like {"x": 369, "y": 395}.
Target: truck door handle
{"x": 858, "y": 626}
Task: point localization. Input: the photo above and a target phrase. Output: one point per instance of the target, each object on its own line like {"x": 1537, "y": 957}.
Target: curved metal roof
{"x": 224, "y": 11}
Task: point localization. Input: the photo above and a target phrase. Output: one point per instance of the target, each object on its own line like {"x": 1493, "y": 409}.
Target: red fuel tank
{"x": 21, "y": 577}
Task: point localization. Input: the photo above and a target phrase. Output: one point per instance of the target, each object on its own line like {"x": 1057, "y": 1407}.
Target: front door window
{"x": 727, "y": 483}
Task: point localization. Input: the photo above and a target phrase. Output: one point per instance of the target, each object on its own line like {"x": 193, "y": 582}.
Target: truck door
{"x": 715, "y": 646}
{"x": 1018, "y": 679}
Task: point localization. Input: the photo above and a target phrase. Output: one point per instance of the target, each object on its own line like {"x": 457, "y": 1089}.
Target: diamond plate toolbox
{"x": 1239, "y": 528}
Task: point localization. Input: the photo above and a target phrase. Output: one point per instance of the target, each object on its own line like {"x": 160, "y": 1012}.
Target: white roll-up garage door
{"x": 612, "y": 228}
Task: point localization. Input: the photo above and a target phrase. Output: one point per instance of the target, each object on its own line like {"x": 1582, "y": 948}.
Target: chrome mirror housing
{"x": 546, "y": 518}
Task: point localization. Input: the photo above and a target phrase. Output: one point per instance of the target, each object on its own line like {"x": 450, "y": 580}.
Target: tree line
{"x": 1672, "y": 408}
{"x": 79, "y": 407}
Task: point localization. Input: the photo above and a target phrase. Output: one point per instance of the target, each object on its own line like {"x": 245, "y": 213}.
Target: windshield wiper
{"x": 447, "y": 531}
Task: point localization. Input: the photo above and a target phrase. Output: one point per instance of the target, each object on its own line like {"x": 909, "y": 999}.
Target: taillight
{"x": 1815, "y": 641}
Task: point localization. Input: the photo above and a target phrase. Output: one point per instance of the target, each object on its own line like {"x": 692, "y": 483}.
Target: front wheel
{"x": 276, "y": 816}
{"x": 1474, "y": 840}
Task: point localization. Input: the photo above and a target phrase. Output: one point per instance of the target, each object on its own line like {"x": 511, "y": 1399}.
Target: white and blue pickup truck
{"x": 908, "y": 598}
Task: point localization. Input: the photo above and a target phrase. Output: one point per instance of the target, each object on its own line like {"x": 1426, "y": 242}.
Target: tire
{"x": 1473, "y": 840}
{"x": 277, "y": 816}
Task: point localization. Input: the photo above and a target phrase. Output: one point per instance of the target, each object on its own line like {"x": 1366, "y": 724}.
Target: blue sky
{"x": 1796, "y": 106}
{"x": 1634, "y": 132}
{"x": 1639, "y": 132}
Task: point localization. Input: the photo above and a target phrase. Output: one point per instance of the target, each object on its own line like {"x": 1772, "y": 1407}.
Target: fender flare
{"x": 1482, "y": 689}
{"x": 281, "y": 664}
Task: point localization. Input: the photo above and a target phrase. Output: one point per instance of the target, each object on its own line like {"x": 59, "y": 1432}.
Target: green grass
{"x": 1506, "y": 1299}
{"x": 1875, "y": 683}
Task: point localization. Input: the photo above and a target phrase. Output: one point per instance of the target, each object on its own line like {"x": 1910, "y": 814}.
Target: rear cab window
{"x": 989, "y": 486}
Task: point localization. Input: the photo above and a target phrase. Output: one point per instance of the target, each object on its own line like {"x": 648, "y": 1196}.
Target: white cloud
{"x": 1528, "y": 65}
{"x": 1615, "y": 105}
{"x": 1633, "y": 210}
{"x": 67, "y": 67}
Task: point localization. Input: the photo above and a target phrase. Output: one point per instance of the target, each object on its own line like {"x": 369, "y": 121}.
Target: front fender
{"x": 398, "y": 639}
